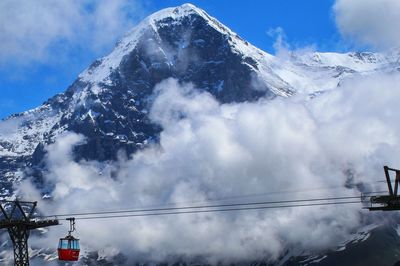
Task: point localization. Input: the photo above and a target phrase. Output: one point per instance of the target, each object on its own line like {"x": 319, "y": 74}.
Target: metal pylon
{"x": 19, "y": 236}
{"x": 391, "y": 201}
{"x": 16, "y": 217}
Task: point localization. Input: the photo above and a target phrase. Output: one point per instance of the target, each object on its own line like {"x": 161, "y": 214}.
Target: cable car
{"x": 68, "y": 247}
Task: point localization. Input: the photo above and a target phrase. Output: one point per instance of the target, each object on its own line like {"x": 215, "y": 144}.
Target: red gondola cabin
{"x": 68, "y": 249}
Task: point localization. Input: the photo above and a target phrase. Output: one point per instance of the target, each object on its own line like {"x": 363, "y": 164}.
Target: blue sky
{"x": 32, "y": 70}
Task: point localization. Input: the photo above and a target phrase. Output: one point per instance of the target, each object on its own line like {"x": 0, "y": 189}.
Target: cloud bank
{"x": 369, "y": 22}
{"x": 30, "y": 31}
{"x": 324, "y": 147}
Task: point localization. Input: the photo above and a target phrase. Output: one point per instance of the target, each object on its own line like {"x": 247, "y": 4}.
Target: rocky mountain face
{"x": 109, "y": 102}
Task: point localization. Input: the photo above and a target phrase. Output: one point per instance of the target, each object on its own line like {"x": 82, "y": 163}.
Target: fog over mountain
{"x": 184, "y": 111}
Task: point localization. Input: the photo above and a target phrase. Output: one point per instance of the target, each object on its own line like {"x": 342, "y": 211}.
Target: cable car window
{"x": 74, "y": 244}
{"x": 63, "y": 244}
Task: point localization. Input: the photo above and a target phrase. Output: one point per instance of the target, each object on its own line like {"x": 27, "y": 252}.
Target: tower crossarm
{"x": 30, "y": 225}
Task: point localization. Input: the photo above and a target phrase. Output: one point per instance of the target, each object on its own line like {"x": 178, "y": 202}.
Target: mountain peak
{"x": 175, "y": 14}
{"x": 188, "y": 6}
{"x": 99, "y": 71}
{"x": 179, "y": 11}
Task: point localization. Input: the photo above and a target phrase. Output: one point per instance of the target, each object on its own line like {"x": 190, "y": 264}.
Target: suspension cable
{"x": 199, "y": 207}
{"x": 213, "y": 210}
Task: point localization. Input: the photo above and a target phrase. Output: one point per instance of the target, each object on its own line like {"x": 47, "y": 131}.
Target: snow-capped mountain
{"x": 109, "y": 101}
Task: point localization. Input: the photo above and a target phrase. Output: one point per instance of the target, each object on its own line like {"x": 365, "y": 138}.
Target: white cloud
{"x": 281, "y": 46}
{"x": 10, "y": 127}
{"x": 369, "y": 22}
{"x": 208, "y": 150}
{"x": 285, "y": 51}
{"x": 32, "y": 31}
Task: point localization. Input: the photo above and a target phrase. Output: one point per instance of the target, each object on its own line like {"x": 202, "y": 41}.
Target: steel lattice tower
{"x": 16, "y": 217}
